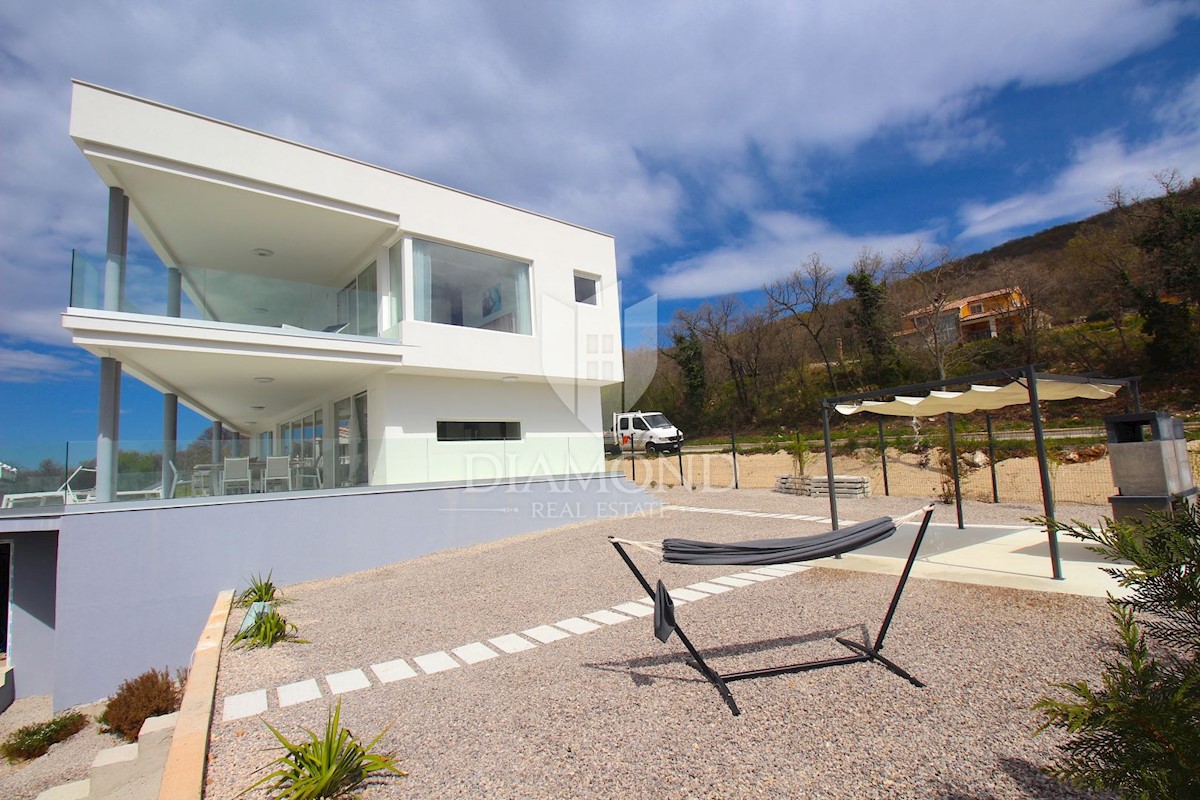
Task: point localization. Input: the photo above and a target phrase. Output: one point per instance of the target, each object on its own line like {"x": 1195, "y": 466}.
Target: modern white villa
{"x": 390, "y": 353}
{"x": 315, "y": 303}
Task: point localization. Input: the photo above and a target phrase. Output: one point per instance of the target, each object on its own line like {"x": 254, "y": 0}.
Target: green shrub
{"x": 261, "y": 590}
{"x": 148, "y": 695}
{"x": 1139, "y": 732}
{"x": 32, "y": 741}
{"x": 268, "y": 629}
{"x": 325, "y": 766}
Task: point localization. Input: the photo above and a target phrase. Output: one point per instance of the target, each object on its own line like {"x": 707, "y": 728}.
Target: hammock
{"x": 763, "y": 552}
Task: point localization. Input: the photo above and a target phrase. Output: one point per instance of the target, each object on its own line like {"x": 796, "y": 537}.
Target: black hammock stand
{"x": 776, "y": 551}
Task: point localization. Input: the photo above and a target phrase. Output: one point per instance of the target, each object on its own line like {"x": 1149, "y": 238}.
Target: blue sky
{"x": 719, "y": 144}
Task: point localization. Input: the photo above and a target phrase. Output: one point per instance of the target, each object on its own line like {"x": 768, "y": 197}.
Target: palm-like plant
{"x": 331, "y": 765}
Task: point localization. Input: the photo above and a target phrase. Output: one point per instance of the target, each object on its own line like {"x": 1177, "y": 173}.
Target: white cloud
{"x": 601, "y": 114}
{"x": 1096, "y": 167}
{"x": 777, "y": 243}
{"x": 30, "y": 366}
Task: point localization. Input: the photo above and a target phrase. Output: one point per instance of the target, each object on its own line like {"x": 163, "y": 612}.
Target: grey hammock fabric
{"x": 664, "y": 613}
{"x": 778, "y": 551}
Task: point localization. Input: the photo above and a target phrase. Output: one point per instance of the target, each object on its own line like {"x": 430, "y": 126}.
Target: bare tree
{"x": 1030, "y": 285}
{"x": 935, "y": 278}
{"x": 807, "y": 296}
{"x": 737, "y": 339}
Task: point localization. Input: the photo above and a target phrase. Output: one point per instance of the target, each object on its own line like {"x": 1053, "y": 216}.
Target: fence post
{"x": 682, "y": 480}
{"x": 733, "y": 447}
{"x": 992, "y": 459}
{"x": 954, "y": 469}
{"x": 632, "y": 457}
{"x": 883, "y": 458}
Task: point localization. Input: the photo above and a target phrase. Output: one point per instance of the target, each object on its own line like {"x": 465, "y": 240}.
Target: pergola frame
{"x": 1028, "y": 376}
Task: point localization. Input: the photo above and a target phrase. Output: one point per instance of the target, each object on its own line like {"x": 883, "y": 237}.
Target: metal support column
{"x": 992, "y": 459}
{"x": 108, "y": 430}
{"x": 170, "y": 435}
{"x": 954, "y": 468}
{"x": 218, "y": 433}
{"x": 118, "y": 247}
{"x": 883, "y": 457}
{"x": 109, "y": 407}
{"x": 833, "y": 514}
{"x": 1044, "y": 471}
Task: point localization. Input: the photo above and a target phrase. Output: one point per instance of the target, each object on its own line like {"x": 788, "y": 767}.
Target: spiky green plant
{"x": 268, "y": 629}
{"x": 260, "y": 590}
{"x": 1138, "y": 732}
{"x": 34, "y": 740}
{"x": 331, "y": 765}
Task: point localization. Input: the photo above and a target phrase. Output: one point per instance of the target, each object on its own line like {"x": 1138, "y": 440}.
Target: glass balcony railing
{"x": 306, "y": 466}
{"x": 228, "y": 297}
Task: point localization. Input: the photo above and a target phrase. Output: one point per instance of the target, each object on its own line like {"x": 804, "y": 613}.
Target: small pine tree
{"x": 1139, "y": 732}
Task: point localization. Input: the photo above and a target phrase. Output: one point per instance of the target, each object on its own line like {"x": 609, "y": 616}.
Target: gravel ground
{"x": 64, "y": 762}
{"x": 614, "y": 713}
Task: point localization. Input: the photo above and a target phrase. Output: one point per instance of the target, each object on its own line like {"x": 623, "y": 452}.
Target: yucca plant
{"x": 261, "y": 590}
{"x": 268, "y": 629}
{"x": 332, "y": 765}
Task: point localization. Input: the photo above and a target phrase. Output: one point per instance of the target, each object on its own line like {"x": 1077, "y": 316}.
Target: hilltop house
{"x": 980, "y": 316}
{"x": 423, "y": 367}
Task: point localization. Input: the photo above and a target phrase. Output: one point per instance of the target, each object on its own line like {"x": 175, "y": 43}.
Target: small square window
{"x": 977, "y": 308}
{"x": 586, "y": 289}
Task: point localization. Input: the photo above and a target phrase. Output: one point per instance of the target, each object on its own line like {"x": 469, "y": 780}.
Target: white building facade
{"x": 377, "y": 328}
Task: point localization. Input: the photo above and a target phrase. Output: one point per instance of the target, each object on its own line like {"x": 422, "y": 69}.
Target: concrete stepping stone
{"x": 512, "y": 643}
{"x": 247, "y": 704}
{"x": 349, "y": 681}
{"x": 606, "y": 617}
{"x": 392, "y": 671}
{"x": 634, "y": 609}
{"x": 436, "y": 662}
{"x": 474, "y": 652}
{"x": 300, "y": 692}
{"x": 76, "y": 790}
{"x": 546, "y": 633}
{"x": 576, "y": 625}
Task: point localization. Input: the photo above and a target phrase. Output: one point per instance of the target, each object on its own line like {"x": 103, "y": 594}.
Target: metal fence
{"x": 916, "y": 466}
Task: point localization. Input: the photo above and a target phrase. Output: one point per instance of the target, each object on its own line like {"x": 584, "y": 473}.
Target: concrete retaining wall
{"x": 135, "y": 583}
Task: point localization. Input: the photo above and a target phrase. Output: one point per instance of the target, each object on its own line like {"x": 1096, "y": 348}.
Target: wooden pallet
{"x": 818, "y": 485}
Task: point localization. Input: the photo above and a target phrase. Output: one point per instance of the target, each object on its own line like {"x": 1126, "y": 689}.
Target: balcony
{"x": 236, "y": 298}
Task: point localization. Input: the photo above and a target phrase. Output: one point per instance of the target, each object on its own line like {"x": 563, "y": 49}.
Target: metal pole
{"x": 679, "y": 452}
{"x": 733, "y": 447}
{"x": 632, "y": 458}
{"x": 833, "y": 514}
{"x": 992, "y": 460}
{"x": 883, "y": 457}
{"x": 170, "y": 436}
{"x": 954, "y": 468}
{"x": 1044, "y": 471}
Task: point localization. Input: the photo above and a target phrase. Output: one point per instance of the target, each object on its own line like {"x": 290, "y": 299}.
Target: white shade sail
{"x": 981, "y": 398}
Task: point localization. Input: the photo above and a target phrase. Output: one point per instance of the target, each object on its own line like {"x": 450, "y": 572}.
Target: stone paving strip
{"x": 250, "y": 704}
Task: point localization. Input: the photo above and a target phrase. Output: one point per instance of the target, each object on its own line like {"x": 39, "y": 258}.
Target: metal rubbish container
{"x": 1149, "y": 460}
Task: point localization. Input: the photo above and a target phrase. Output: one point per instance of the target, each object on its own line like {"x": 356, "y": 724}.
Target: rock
{"x": 977, "y": 459}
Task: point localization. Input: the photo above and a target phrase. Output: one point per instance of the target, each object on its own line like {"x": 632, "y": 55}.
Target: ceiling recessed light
{"x": 263, "y": 252}
{"x": 509, "y": 379}
{"x": 258, "y": 408}
{"x": 259, "y": 310}
{"x": 264, "y": 380}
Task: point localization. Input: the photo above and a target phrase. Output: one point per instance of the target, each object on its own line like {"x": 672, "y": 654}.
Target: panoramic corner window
{"x": 587, "y": 289}
{"x": 478, "y": 431}
{"x": 455, "y": 286}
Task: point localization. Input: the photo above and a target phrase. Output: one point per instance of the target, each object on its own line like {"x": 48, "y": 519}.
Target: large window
{"x": 454, "y": 286}
{"x": 358, "y": 304}
{"x": 478, "y": 431}
{"x": 350, "y": 417}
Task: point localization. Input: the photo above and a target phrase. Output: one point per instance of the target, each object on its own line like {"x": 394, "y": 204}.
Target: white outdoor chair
{"x": 237, "y": 475}
{"x": 278, "y": 471}
{"x": 309, "y": 474}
